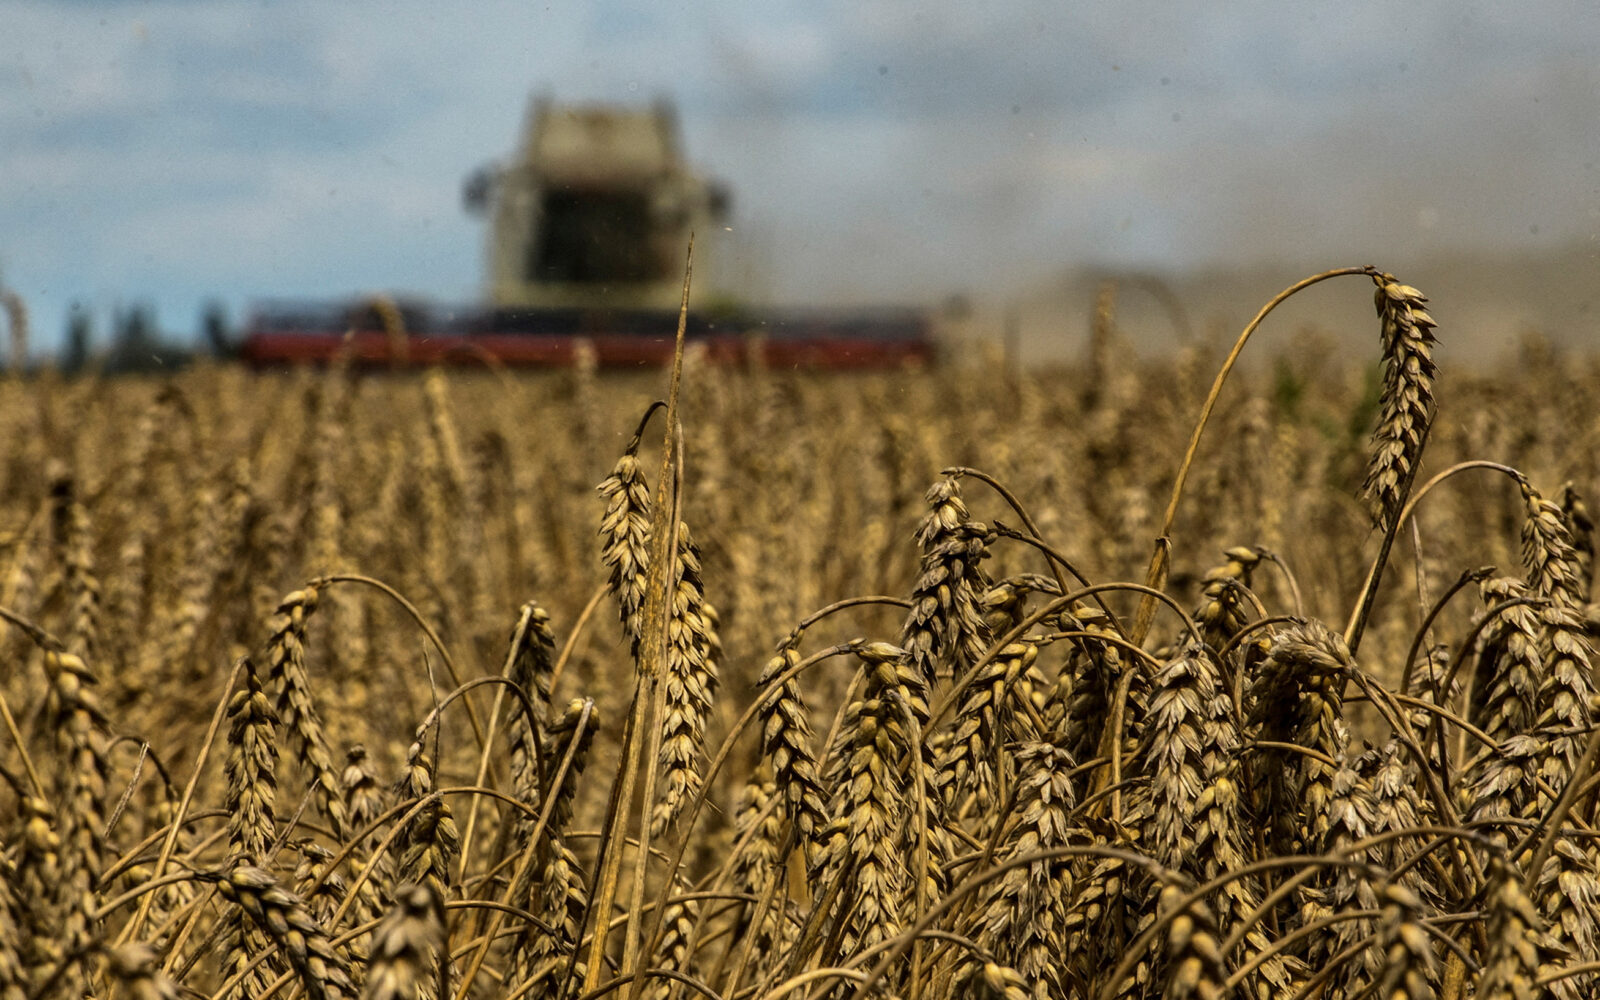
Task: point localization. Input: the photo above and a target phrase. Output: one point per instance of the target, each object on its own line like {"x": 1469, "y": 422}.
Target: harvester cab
{"x": 595, "y": 210}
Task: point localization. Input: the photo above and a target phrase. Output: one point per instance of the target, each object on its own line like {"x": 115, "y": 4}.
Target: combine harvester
{"x": 588, "y": 230}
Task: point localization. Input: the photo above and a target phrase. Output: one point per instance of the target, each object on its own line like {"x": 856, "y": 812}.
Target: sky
{"x": 174, "y": 153}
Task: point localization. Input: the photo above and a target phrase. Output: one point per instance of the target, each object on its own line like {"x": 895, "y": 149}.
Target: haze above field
{"x": 179, "y": 152}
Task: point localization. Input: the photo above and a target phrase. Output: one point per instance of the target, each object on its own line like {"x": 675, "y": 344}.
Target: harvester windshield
{"x": 594, "y": 236}
{"x": 595, "y": 211}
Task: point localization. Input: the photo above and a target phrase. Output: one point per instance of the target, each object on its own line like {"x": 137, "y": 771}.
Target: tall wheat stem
{"x": 646, "y": 737}
{"x": 1156, "y": 576}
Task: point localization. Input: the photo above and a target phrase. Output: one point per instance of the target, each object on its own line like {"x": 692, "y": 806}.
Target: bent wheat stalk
{"x": 1156, "y": 575}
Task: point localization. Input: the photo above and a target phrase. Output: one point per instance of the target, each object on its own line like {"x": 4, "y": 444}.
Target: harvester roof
{"x": 581, "y": 144}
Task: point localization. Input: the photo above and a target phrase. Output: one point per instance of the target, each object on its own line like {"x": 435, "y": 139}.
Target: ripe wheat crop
{"x": 1086, "y": 683}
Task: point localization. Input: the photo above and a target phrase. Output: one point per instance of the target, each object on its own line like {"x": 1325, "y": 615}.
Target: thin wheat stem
{"x": 1156, "y": 576}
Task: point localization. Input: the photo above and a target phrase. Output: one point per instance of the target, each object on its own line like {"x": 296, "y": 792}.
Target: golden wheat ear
{"x": 1407, "y": 403}
{"x": 405, "y": 946}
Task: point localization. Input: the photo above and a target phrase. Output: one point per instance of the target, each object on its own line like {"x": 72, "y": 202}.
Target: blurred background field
{"x": 216, "y": 490}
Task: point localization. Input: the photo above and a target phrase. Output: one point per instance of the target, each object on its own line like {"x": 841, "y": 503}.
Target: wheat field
{"x": 742, "y": 683}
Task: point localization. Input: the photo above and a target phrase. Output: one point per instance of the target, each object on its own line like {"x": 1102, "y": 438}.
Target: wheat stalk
{"x": 562, "y": 897}
{"x": 296, "y": 705}
{"x": 869, "y": 800}
{"x": 251, "y": 769}
{"x": 1407, "y": 403}
{"x": 1023, "y": 918}
{"x": 283, "y": 917}
{"x": 690, "y": 686}
{"x": 1099, "y": 804}
{"x": 13, "y": 942}
{"x": 1408, "y": 962}
{"x": 1297, "y": 699}
{"x": 786, "y": 744}
{"x": 944, "y": 631}
{"x": 404, "y": 944}
{"x": 76, "y": 722}
{"x": 624, "y": 532}
{"x": 134, "y": 966}
{"x": 1519, "y": 951}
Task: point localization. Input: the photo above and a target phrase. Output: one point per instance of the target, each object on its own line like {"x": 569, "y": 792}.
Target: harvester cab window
{"x": 593, "y": 236}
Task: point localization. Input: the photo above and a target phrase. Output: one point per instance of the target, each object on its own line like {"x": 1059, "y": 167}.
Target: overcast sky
{"x": 177, "y": 152}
